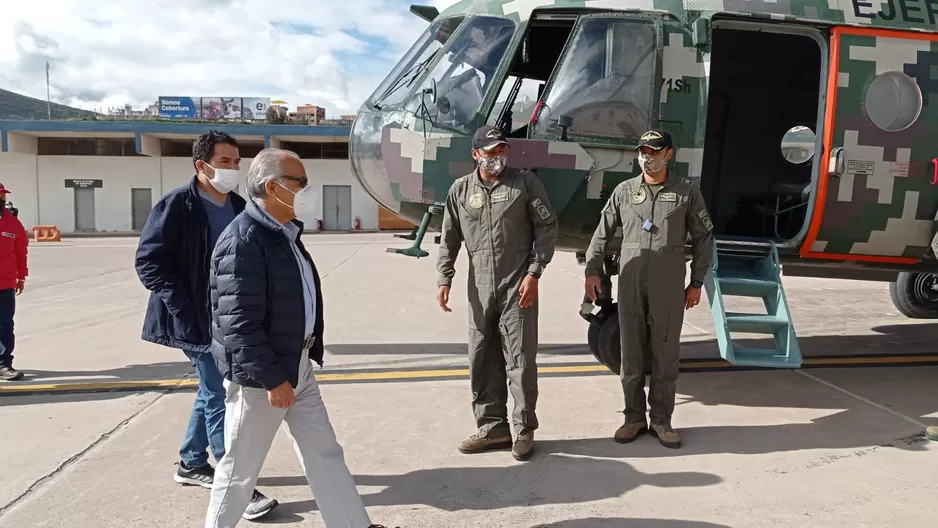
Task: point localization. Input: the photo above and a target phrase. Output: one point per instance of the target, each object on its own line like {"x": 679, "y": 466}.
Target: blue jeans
{"x": 207, "y": 421}
{"x": 7, "y": 309}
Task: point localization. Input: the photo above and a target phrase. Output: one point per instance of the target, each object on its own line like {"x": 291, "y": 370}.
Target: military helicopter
{"x": 807, "y": 124}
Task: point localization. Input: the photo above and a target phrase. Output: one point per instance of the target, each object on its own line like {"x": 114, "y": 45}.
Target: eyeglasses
{"x": 303, "y": 181}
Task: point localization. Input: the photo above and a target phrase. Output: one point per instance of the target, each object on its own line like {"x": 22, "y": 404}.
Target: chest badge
{"x": 476, "y": 201}
{"x": 638, "y": 196}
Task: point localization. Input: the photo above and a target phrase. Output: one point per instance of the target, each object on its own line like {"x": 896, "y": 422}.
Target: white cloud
{"x": 332, "y": 53}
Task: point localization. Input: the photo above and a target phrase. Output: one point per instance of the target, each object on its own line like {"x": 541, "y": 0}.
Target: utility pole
{"x": 48, "y": 94}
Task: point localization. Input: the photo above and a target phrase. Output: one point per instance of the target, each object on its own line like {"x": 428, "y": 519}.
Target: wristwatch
{"x": 696, "y": 284}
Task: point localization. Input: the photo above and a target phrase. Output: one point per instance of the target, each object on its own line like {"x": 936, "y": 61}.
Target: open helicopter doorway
{"x": 760, "y": 164}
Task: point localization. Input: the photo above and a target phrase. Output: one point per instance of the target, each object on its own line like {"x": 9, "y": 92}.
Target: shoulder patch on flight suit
{"x": 705, "y": 218}
{"x": 668, "y": 197}
{"x": 476, "y": 201}
{"x": 540, "y": 208}
{"x": 637, "y": 196}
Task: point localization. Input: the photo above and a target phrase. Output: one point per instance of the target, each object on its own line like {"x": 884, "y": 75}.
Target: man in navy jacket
{"x": 267, "y": 328}
{"x": 172, "y": 262}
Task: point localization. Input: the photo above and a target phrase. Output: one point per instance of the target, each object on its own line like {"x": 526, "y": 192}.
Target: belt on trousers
{"x": 308, "y": 342}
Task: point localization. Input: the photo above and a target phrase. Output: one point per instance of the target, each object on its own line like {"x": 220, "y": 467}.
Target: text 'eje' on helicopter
{"x": 811, "y": 127}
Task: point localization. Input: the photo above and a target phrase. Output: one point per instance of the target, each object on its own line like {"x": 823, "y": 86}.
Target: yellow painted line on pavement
{"x": 13, "y": 388}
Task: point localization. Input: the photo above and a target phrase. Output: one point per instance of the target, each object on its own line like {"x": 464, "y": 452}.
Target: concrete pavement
{"x": 817, "y": 447}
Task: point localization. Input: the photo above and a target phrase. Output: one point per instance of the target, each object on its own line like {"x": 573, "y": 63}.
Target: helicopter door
{"x": 878, "y": 195}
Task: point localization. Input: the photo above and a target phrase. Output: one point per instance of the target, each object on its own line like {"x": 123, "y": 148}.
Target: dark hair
{"x": 204, "y": 147}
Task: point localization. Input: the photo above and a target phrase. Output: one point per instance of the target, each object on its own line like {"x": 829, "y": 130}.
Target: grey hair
{"x": 267, "y": 166}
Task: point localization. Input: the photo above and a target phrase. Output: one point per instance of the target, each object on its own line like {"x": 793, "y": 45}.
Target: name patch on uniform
{"x": 500, "y": 196}
{"x": 476, "y": 201}
{"x": 8, "y": 235}
{"x": 668, "y": 197}
{"x": 705, "y": 218}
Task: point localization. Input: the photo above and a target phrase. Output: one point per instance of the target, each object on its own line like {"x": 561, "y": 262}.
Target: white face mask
{"x": 305, "y": 203}
{"x": 224, "y": 180}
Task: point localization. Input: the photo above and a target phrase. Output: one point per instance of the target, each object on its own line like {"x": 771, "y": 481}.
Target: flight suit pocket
{"x": 511, "y": 328}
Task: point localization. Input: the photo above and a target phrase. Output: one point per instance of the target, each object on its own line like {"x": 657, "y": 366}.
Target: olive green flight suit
{"x": 509, "y": 229}
{"x": 652, "y": 272}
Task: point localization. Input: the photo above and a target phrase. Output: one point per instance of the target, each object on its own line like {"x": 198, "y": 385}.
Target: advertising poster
{"x": 178, "y": 107}
{"x": 255, "y": 108}
{"x": 221, "y": 108}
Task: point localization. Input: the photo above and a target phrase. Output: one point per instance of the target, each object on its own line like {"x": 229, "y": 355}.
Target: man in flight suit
{"x": 509, "y": 227}
{"x": 656, "y": 213}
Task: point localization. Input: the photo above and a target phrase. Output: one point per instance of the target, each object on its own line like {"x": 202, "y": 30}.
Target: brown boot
{"x": 524, "y": 445}
{"x": 630, "y": 431}
{"x": 479, "y": 442}
{"x": 666, "y": 435}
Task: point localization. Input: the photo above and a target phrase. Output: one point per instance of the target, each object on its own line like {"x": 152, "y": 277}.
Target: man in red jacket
{"x": 13, "y": 271}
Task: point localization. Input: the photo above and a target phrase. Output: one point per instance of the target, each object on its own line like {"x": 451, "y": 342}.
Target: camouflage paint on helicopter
{"x": 883, "y": 203}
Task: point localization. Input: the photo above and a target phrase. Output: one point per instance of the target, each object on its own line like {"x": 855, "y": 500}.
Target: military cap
{"x": 488, "y": 137}
{"x": 655, "y": 140}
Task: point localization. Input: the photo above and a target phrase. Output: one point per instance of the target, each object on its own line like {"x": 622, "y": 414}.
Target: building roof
{"x": 170, "y": 129}
{"x": 146, "y": 131}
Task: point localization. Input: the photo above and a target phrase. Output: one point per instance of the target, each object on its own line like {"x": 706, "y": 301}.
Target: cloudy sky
{"x": 108, "y": 53}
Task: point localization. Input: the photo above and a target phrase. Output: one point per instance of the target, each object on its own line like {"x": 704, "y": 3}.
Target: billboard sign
{"x": 255, "y": 108}
{"x": 214, "y": 108}
{"x": 179, "y": 107}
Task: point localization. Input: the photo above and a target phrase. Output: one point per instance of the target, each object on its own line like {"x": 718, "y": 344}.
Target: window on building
{"x": 55, "y": 146}
{"x": 307, "y": 150}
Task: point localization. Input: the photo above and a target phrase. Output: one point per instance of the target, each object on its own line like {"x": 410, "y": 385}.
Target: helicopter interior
{"x": 760, "y": 143}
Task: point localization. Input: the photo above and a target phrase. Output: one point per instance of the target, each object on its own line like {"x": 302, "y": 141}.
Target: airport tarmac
{"x": 90, "y": 437}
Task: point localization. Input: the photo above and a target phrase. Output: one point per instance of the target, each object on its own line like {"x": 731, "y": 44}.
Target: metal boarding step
{"x": 746, "y": 273}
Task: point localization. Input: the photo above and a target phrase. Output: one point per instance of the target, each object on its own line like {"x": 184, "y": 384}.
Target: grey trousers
{"x": 250, "y": 427}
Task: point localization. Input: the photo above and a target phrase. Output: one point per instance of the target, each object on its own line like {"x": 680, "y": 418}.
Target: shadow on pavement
{"x": 624, "y": 522}
{"x": 494, "y": 488}
{"x": 898, "y": 339}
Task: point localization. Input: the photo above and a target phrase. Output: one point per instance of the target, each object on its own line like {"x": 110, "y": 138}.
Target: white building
{"x": 89, "y": 176}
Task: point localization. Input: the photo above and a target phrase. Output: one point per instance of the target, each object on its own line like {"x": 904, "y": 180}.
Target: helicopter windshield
{"x": 464, "y": 74}
{"x": 606, "y": 82}
{"x": 393, "y": 89}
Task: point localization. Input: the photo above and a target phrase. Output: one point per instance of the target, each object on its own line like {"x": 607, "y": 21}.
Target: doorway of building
{"x": 84, "y": 209}
{"x": 141, "y": 202}
{"x": 336, "y": 207}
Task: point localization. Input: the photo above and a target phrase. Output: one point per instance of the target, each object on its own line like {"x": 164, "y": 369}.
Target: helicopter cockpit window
{"x": 605, "y": 85}
{"x": 523, "y": 105}
{"x": 397, "y": 84}
{"x": 464, "y": 73}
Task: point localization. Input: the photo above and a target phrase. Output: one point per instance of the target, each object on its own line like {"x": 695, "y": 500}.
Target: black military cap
{"x": 488, "y": 137}
{"x": 655, "y": 140}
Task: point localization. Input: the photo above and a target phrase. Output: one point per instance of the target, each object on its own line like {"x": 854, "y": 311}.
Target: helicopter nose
{"x": 367, "y": 161}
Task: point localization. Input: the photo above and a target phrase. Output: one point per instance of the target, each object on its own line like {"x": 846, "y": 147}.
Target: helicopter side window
{"x": 461, "y": 78}
{"x": 605, "y": 86}
{"x": 397, "y": 84}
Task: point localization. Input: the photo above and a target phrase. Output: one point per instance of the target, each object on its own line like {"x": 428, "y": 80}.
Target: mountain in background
{"x": 16, "y": 106}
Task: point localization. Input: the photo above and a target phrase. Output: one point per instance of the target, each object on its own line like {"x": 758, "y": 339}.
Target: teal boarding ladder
{"x": 752, "y": 274}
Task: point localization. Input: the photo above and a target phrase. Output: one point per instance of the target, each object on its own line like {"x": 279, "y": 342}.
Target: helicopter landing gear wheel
{"x": 915, "y": 295}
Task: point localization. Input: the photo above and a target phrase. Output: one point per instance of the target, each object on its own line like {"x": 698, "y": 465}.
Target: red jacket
{"x": 13, "y": 242}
